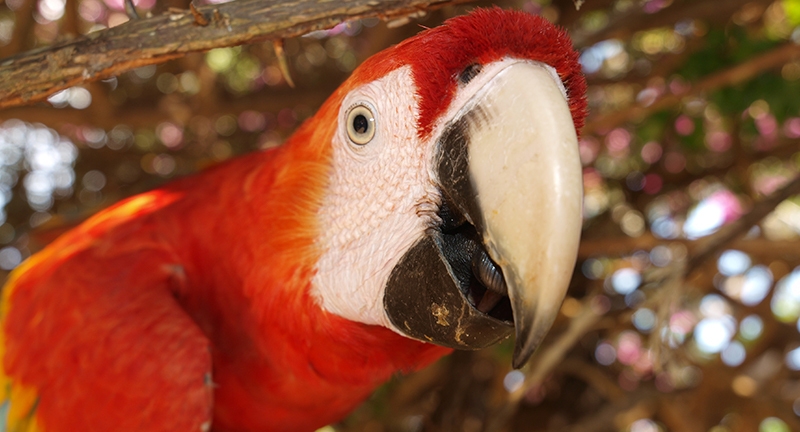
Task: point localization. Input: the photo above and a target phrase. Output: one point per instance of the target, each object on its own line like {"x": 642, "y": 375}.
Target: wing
{"x": 93, "y": 339}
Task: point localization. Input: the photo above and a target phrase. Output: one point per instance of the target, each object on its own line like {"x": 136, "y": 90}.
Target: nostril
{"x": 469, "y": 73}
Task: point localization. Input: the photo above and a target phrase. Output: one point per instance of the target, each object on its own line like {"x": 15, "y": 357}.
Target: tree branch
{"x": 710, "y": 245}
{"x": 147, "y": 114}
{"x": 552, "y": 355}
{"x": 623, "y": 25}
{"x": 702, "y": 249}
{"x": 546, "y": 360}
{"x": 34, "y": 75}
{"x": 764, "y": 249}
{"x": 729, "y": 77}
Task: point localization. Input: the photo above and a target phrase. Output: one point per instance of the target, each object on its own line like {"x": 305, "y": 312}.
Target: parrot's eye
{"x": 360, "y": 124}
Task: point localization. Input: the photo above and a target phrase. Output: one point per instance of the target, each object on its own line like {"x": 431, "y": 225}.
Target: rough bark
{"x": 34, "y": 75}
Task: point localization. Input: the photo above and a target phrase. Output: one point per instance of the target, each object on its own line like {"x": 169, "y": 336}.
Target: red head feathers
{"x": 439, "y": 54}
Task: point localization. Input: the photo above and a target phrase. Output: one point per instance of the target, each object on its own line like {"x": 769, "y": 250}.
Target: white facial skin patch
{"x": 380, "y": 200}
{"x": 383, "y": 194}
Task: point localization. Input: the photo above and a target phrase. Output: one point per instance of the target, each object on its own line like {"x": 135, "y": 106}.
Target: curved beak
{"x": 526, "y": 171}
{"x": 510, "y": 172}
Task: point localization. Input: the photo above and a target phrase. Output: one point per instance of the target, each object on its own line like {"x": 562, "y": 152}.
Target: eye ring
{"x": 361, "y": 124}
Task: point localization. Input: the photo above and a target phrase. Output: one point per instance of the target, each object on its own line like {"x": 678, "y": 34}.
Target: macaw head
{"x": 452, "y": 211}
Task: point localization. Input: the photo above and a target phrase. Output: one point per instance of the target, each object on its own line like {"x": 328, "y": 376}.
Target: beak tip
{"x": 524, "y": 347}
{"x": 520, "y": 357}
{"x": 529, "y": 335}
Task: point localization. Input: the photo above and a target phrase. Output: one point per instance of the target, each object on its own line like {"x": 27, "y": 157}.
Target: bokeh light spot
{"x": 593, "y": 268}
{"x": 684, "y": 125}
{"x": 629, "y": 347}
{"x": 605, "y": 354}
{"x": 713, "y": 334}
{"x": 644, "y": 425}
{"x": 10, "y": 257}
{"x": 625, "y": 280}
{"x": 733, "y": 262}
{"x": 661, "y": 256}
{"x": 618, "y": 140}
{"x": 713, "y": 305}
{"x": 52, "y": 10}
{"x": 79, "y": 98}
{"x": 758, "y": 281}
{"x": 513, "y": 381}
{"x": 793, "y": 359}
{"x": 674, "y": 162}
{"x": 651, "y": 152}
{"x": 220, "y": 59}
{"x": 644, "y": 320}
{"x": 170, "y": 134}
{"x": 786, "y": 299}
{"x": 734, "y": 354}
{"x": 94, "y": 180}
{"x": 652, "y": 184}
{"x": 744, "y": 385}
{"x": 751, "y": 327}
{"x": 773, "y": 424}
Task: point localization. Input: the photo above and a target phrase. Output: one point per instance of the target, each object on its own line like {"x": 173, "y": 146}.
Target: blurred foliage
{"x": 695, "y": 116}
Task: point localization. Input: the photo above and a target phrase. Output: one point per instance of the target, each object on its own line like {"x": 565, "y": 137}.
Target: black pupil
{"x": 360, "y": 124}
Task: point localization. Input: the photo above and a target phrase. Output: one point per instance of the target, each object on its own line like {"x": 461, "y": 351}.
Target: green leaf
{"x": 792, "y": 10}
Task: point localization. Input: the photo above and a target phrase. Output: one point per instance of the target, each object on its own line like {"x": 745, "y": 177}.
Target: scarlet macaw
{"x": 435, "y": 197}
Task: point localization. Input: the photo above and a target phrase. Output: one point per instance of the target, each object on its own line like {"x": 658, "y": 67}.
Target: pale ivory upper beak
{"x": 525, "y": 167}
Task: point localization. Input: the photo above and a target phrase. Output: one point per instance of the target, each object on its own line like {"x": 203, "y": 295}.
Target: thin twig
{"x": 594, "y": 376}
{"x": 708, "y": 246}
{"x": 622, "y": 245}
{"x": 546, "y": 361}
{"x": 553, "y": 354}
{"x": 604, "y": 418}
{"x": 624, "y": 22}
{"x": 729, "y": 77}
{"x": 130, "y": 10}
{"x": 283, "y": 64}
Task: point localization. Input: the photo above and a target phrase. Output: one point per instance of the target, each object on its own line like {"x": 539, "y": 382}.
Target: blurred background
{"x": 695, "y": 118}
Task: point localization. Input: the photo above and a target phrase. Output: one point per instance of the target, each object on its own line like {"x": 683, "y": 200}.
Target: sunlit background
{"x": 691, "y": 123}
